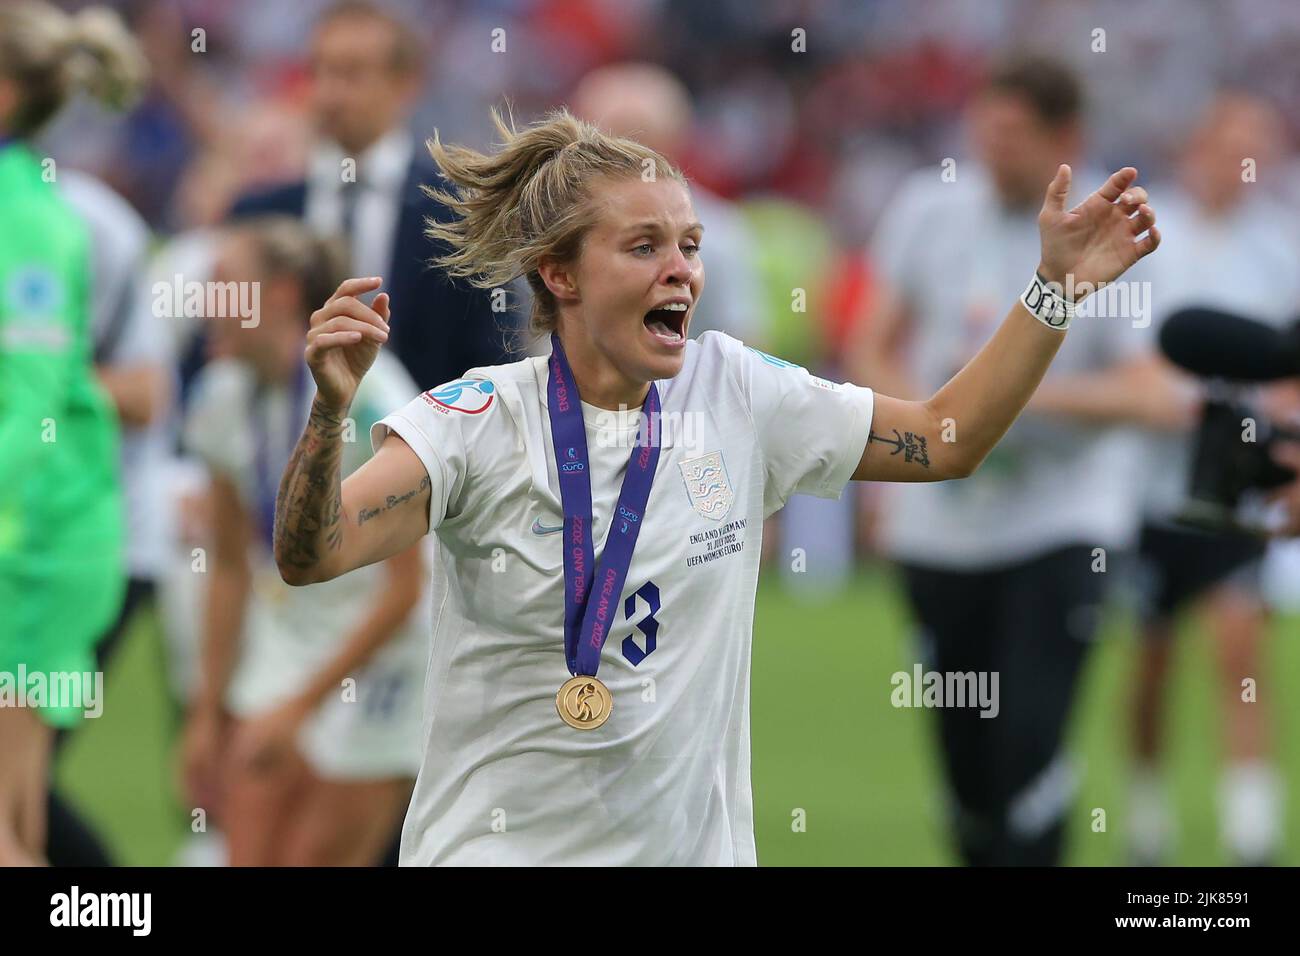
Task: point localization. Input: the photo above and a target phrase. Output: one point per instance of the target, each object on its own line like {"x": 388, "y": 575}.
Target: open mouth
{"x": 668, "y": 324}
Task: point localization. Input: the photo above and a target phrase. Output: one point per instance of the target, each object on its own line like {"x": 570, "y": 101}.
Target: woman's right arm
{"x": 324, "y": 526}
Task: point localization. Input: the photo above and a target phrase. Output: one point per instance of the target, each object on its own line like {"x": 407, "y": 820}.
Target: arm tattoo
{"x": 310, "y": 502}
{"x": 392, "y": 501}
{"x": 910, "y": 444}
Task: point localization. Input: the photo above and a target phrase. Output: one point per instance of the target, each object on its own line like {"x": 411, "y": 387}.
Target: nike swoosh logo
{"x": 539, "y": 528}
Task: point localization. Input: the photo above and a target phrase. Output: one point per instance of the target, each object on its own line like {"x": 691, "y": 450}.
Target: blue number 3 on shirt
{"x": 648, "y": 626}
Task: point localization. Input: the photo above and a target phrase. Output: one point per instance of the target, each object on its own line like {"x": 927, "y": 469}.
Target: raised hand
{"x": 1096, "y": 241}
{"x": 344, "y": 340}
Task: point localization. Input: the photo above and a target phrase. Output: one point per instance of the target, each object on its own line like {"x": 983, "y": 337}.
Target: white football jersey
{"x": 666, "y": 779}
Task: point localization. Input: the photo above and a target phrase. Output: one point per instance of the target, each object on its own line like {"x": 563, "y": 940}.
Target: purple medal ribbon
{"x": 269, "y": 472}
{"x": 591, "y": 595}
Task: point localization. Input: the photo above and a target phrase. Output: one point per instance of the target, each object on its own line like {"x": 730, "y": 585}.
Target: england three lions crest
{"x": 707, "y": 485}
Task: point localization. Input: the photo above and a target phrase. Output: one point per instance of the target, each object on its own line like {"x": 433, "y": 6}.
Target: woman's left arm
{"x": 949, "y": 435}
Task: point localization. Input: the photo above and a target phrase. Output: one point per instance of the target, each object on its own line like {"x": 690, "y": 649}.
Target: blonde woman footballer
{"x": 598, "y": 511}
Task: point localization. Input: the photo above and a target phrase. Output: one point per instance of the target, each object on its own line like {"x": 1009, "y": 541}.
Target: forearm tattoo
{"x": 392, "y": 501}
{"x": 912, "y": 446}
{"x": 310, "y": 503}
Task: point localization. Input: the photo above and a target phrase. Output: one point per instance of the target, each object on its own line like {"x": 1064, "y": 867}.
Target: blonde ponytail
{"x": 50, "y": 55}
{"x": 529, "y": 200}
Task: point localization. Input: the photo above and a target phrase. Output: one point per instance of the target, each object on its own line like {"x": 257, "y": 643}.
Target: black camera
{"x": 1232, "y": 458}
{"x": 1232, "y": 462}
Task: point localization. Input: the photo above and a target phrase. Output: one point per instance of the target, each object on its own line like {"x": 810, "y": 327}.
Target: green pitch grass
{"x": 826, "y": 739}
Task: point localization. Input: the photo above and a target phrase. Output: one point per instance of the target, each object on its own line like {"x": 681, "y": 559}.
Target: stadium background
{"x": 812, "y": 145}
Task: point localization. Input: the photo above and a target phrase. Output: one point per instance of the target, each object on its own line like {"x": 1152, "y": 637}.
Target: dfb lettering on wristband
{"x": 1046, "y": 302}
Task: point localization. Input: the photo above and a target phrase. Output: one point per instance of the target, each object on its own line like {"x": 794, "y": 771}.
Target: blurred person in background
{"x": 1000, "y": 570}
{"x": 647, "y": 103}
{"x": 1233, "y": 247}
{"x": 303, "y": 736}
{"x": 268, "y": 146}
{"x": 61, "y": 523}
{"x": 364, "y": 182}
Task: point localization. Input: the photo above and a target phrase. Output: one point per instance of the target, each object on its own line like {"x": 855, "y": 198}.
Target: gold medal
{"x": 584, "y": 703}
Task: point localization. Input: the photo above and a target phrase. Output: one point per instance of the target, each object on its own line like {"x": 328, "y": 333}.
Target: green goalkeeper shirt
{"x": 59, "y": 486}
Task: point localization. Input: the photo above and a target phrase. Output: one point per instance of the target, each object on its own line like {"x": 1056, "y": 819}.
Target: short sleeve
{"x": 811, "y": 432}
{"x": 440, "y": 426}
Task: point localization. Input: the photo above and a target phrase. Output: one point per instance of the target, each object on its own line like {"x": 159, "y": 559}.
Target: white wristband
{"x": 1046, "y": 302}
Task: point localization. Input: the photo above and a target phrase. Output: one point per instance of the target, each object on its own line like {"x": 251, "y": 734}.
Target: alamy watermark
{"x": 132, "y": 911}
{"x": 208, "y": 300}
{"x": 76, "y": 690}
{"x": 676, "y": 428}
{"x": 946, "y": 689}
{"x": 1120, "y": 299}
